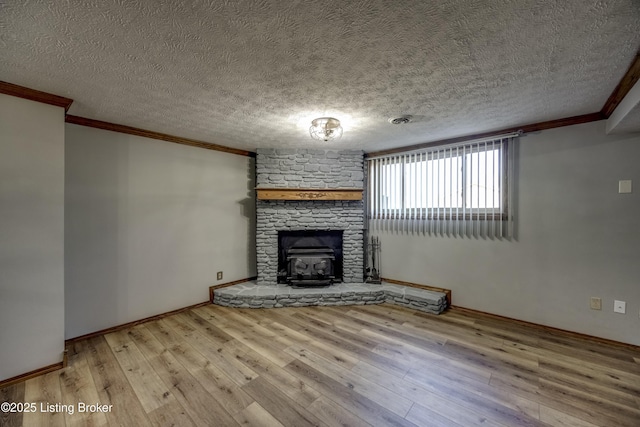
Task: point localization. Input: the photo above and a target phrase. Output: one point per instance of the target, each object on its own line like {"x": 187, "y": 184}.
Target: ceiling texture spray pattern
{"x": 251, "y": 74}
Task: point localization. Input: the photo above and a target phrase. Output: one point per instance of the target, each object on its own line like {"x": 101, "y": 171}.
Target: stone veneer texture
{"x": 302, "y": 168}
{"x": 250, "y": 295}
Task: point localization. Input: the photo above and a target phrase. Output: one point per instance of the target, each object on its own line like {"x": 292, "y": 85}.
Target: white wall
{"x": 577, "y": 238}
{"x": 31, "y": 235}
{"x": 148, "y": 225}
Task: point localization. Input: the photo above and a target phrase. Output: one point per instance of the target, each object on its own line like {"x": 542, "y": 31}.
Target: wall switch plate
{"x": 620, "y": 307}
{"x": 596, "y": 303}
{"x": 219, "y": 275}
{"x": 624, "y": 186}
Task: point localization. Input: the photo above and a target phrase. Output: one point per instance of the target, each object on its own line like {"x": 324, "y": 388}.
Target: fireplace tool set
{"x": 373, "y": 261}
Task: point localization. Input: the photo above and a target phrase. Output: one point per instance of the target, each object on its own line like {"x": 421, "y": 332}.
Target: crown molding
{"x": 533, "y": 127}
{"x": 60, "y": 101}
{"x": 35, "y": 95}
{"x": 627, "y": 82}
{"x": 98, "y": 124}
{"x": 631, "y": 77}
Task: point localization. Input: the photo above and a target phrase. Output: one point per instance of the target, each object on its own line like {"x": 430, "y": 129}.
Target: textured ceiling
{"x": 251, "y": 74}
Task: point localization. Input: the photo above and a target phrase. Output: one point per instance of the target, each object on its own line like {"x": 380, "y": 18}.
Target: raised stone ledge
{"x": 252, "y": 295}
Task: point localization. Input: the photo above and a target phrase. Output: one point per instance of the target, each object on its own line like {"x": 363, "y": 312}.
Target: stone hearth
{"x": 252, "y": 295}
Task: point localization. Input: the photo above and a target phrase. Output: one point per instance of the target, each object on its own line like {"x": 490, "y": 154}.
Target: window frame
{"x": 464, "y": 212}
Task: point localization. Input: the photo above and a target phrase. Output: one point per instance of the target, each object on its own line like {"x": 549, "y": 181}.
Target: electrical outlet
{"x": 596, "y": 303}
{"x": 619, "y": 307}
{"x": 219, "y": 275}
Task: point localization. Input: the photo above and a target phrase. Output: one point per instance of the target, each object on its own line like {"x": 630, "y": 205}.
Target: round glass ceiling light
{"x": 325, "y": 129}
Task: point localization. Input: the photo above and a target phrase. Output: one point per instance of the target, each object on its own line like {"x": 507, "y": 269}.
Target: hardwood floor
{"x": 337, "y": 366}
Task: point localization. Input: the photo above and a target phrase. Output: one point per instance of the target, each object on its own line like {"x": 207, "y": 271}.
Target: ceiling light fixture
{"x": 325, "y": 129}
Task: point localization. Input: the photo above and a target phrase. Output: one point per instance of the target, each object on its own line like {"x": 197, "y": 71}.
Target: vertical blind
{"x": 462, "y": 190}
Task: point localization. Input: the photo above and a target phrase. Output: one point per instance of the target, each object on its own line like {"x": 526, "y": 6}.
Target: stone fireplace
{"x": 309, "y": 212}
{"x": 306, "y": 200}
{"x": 310, "y": 169}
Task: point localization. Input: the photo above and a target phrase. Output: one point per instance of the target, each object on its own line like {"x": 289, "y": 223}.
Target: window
{"x": 461, "y": 189}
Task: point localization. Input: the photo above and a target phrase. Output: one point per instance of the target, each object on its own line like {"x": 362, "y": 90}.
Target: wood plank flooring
{"x": 378, "y": 365}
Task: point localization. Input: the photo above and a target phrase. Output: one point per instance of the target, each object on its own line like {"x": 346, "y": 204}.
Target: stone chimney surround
{"x": 309, "y": 169}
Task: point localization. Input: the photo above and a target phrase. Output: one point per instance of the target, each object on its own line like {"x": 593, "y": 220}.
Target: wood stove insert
{"x": 310, "y": 257}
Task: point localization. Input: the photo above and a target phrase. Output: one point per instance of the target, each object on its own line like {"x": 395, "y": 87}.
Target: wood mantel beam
{"x": 309, "y": 193}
